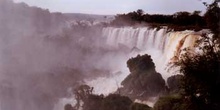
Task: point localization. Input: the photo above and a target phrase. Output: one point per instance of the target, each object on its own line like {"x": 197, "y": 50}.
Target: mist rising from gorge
{"x": 42, "y": 56}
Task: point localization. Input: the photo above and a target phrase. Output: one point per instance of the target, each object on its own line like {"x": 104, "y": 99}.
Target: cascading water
{"x": 142, "y": 38}
{"x": 162, "y": 45}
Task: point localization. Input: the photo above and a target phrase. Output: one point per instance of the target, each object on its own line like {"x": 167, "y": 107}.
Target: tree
{"x": 196, "y": 13}
{"x": 212, "y": 17}
{"x": 81, "y": 94}
{"x": 140, "y": 12}
{"x": 174, "y": 83}
{"x": 68, "y": 107}
{"x": 201, "y": 69}
{"x": 201, "y": 78}
{"x": 116, "y": 102}
{"x": 138, "y": 106}
{"x": 170, "y": 102}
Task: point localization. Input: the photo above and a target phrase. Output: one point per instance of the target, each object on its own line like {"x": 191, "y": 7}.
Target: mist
{"x": 45, "y": 56}
{"x": 42, "y": 56}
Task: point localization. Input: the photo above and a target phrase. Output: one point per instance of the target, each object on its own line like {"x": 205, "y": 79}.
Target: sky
{"x": 110, "y": 7}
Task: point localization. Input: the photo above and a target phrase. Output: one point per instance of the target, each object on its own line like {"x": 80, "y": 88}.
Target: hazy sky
{"x": 117, "y": 6}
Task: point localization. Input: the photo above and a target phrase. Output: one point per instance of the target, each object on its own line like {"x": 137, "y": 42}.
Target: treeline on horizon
{"x": 177, "y": 21}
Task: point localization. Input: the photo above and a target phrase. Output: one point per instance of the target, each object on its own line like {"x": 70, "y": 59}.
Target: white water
{"x": 163, "y": 46}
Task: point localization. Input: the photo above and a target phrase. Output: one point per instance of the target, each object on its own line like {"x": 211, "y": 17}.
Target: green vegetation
{"x": 201, "y": 76}
{"x": 138, "y": 106}
{"x": 177, "y": 21}
{"x": 212, "y": 17}
{"x": 197, "y": 88}
{"x": 201, "y": 71}
{"x": 116, "y": 102}
{"x": 170, "y": 102}
{"x": 91, "y": 101}
{"x": 174, "y": 83}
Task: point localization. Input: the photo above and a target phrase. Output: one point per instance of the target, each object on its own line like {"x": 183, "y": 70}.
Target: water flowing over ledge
{"x": 164, "y": 46}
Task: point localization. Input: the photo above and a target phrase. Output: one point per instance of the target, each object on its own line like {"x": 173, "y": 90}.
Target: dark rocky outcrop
{"x": 143, "y": 81}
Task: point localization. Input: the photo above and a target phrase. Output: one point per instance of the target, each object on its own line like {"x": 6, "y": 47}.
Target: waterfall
{"x": 162, "y": 45}
{"x": 141, "y": 38}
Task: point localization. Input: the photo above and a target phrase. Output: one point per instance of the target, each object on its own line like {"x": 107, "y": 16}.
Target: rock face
{"x": 143, "y": 81}
{"x": 174, "y": 83}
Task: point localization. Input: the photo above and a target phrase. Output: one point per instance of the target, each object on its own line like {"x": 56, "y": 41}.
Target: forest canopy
{"x": 177, "y": 21}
